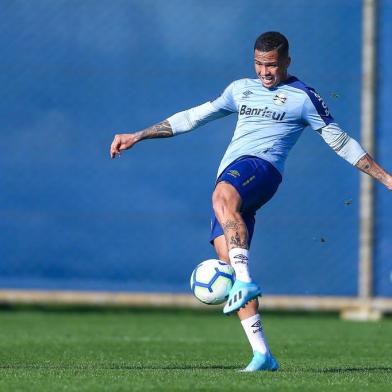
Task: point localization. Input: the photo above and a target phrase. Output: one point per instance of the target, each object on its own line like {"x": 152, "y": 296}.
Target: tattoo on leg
{"x": 231, "y": 225}
{"x": 236, "y": 234}
{"x": 237, "y": 243}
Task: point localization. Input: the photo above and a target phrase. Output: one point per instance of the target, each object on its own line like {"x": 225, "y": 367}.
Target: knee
{"x": 219, "y": 203}
{"x": 223, "y": 204}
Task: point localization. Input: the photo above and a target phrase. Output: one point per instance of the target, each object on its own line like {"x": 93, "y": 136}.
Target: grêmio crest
{"x": 279, "y": 99}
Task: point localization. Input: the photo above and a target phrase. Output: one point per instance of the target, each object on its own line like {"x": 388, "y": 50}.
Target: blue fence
{"x": 383, "y": 226}
{"x": 74, "y": 73}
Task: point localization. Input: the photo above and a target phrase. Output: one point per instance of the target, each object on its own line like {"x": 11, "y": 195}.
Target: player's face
{"x": 271, "y": 69}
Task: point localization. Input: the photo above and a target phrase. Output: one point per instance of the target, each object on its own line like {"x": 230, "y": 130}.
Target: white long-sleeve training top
{"x": 270, "y": 121}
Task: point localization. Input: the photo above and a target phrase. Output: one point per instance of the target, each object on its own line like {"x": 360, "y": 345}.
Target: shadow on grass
{"x": 132, "y": 310}
{"x": 355, "y": 369}
{"x": 140, "y": 366}
{"x": 116, "y": 367}
{"x": 177, "y": 367}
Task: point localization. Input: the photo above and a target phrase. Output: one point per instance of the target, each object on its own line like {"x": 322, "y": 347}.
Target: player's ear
{"x": 288, "y": 61}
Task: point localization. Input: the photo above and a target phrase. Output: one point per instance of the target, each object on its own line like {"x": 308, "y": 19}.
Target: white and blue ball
{"x": 211, "y": 281}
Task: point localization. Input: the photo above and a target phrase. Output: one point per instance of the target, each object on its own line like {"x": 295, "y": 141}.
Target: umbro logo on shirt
{"x": 246, "y": 93}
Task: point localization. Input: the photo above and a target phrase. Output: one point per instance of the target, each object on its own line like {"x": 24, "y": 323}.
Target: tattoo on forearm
{"x": 160, "y": 130}
{"x": 369, "y": 166}
{"x": 236, "y": 234}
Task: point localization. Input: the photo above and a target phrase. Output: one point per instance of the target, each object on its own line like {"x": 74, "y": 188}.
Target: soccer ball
{"x": 211, "y": 281}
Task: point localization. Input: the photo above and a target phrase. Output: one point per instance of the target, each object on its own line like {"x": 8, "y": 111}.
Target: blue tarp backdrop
{"x": 74, "y": 73}
{"x": 383, "y": 226}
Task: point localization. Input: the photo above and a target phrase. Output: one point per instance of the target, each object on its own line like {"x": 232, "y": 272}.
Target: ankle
{"x": 239, "y": 258}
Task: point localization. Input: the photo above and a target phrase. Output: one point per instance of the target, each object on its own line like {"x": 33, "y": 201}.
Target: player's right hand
{"x": 122, "y": 142}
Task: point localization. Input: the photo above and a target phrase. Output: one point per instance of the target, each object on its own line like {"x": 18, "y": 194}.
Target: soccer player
{"x": 272, "y": 111}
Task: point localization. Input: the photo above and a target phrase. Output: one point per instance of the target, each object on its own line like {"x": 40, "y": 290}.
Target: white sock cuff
{"x": 238, "y": 251}
{"x": 239, "y": 259}
{"x": 251, "y": 320}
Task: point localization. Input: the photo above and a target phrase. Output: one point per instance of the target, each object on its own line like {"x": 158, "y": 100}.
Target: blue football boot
{"x": 240, "y": 294}
{"x": 262, "y": 362}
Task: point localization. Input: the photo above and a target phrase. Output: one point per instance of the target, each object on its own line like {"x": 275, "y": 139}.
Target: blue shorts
{"x": 256, "y": 181}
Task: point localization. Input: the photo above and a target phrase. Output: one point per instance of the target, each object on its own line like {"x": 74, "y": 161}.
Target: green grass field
{"x": 145, "y": 350}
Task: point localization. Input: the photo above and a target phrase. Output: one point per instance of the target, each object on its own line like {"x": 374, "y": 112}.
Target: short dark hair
{"x": 272, "y": 40}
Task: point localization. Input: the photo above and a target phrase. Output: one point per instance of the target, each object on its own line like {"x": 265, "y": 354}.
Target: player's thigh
{"x": 255, "y": 181}
{"x": 245, "y": 185}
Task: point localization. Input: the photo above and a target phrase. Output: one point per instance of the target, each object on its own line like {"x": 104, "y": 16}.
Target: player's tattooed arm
{"x": 125, "y": 141}
{"x": 369, "y": 166}
{"x": 162, "y": 129}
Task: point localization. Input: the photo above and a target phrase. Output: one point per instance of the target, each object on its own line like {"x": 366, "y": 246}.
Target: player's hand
{"x": 122, "y": 142}
{"x": 389, "y": 183}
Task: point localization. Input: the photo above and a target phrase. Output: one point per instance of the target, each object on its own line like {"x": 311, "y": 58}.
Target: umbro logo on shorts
{"x": 234, "y": 173}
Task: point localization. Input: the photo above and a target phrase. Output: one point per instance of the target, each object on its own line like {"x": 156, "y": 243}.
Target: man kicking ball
{"x": 272, "y": 110}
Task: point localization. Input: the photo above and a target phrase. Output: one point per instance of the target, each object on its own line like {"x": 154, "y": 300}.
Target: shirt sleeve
{"x": 225, "y": 102}
{"x": 344, "y": 145}
{"x": 315, "y": 112}
{"x": 197, "y": 116}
